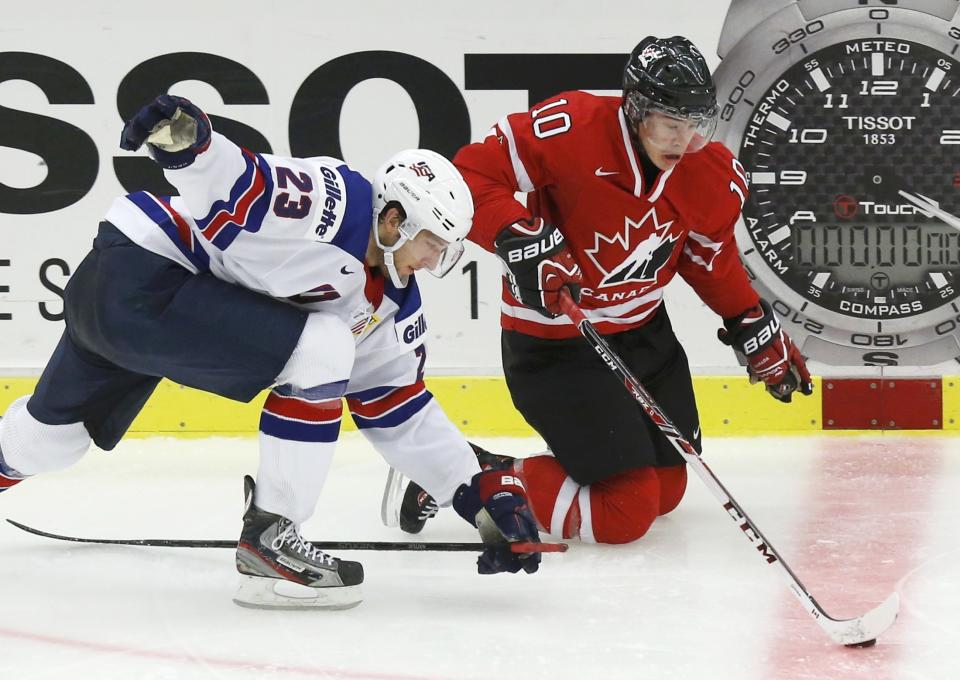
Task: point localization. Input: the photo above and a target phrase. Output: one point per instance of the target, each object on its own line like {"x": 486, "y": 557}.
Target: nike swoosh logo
{"x": 927, "y": 205}
{"x": 696, "y": 433}
{"x": 345, "y": 271}
{"x": 600, "y": 172}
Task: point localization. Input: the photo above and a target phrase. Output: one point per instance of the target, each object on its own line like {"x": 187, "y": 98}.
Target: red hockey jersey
{"x": 574, "y": 157}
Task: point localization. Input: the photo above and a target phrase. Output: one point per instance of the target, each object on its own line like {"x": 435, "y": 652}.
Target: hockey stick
{"x": 861, "y": 631}
{"x": 517, "y": 547}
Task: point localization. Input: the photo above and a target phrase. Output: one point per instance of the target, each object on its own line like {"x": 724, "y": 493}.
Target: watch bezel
{"x": 757, "y": 48}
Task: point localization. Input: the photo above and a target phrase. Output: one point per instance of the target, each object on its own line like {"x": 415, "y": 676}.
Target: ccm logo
{"x": 536, "y": 249}
{"x": 763, "y": 338}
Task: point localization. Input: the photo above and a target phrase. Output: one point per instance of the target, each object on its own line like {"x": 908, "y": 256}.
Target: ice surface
{"x": 855, "y": 517}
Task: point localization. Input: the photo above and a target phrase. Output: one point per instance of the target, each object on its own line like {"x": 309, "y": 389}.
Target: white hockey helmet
{"x": 433, "y": 196}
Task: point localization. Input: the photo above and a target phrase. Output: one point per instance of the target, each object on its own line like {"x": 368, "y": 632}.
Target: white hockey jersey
{"x": 293, "y": 229}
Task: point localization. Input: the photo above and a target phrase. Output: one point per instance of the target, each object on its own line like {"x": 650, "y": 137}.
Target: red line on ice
{"x": 862, "y": 534}
{"x": 196, "y": 659}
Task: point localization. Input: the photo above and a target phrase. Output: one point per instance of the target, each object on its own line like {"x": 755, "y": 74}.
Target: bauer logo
{"x": 537, "y": 248}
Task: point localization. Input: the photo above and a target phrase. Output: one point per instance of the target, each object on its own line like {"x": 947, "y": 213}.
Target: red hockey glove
{"x": 496, "y": 503}
{"x": 539, "y": 264}
{"x": 771, "y": 355}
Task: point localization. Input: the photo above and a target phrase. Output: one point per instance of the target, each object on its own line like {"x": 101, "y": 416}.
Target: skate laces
{"x": 429, "y": 507}
{"x": 291, "y": 538}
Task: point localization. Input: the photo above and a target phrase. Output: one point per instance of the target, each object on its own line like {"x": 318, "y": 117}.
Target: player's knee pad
{"x": 673, "y": 484}
{"x": 323, "y": 355}
{"x": 31, "y": 447}
{"x": 622, "y": 507}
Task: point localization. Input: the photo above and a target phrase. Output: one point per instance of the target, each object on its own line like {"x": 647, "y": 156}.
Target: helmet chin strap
{"x": 395, "y": 278}
{"x": 388, "y": 251}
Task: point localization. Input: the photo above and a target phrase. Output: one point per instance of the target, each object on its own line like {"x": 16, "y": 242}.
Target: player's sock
{"x": 552, "y": 494}
{"x": 31, "y": 447}
{"x": 619, "y": 509}
{"x": 624, "y": 506}
{"x": 673, "y": 484}
{"x": 297, "y": 440}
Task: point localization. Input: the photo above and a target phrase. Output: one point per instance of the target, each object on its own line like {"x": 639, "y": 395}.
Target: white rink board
{"x": 89, "y": 53}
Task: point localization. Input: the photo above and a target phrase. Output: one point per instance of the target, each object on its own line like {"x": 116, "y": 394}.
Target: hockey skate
{"x": 280, "y": 570}
{"x": 418, "y": 506}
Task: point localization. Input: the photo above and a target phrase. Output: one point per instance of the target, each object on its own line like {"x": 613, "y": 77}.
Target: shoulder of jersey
{"x": 709, "y": 171}
{"x": 701, "y": 187}
{"x": 584, "y": 108}
{"x": 590, "y": 118}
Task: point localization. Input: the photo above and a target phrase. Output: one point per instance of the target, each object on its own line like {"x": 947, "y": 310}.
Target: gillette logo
{"x": 330, "y": 213}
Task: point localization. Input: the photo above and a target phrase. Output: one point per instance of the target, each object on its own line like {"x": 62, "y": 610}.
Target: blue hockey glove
{"x": 174, "y": 130}
{"x": 496, "y": 503}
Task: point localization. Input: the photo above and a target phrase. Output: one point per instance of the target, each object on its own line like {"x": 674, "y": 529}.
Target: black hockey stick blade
{"x": 323, "y": 545}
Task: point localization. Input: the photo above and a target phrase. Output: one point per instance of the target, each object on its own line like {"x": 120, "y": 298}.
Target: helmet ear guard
{"x": 432, "y": 196}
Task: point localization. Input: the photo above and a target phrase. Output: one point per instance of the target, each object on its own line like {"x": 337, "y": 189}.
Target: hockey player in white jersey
{"x": 267, "y": 272}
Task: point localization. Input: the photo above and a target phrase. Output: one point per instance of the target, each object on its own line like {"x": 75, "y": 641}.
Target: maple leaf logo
{"x": 638, "y": 263}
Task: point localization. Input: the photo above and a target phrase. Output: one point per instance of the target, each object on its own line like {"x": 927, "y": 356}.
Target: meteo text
{"x": 878, "y": 46}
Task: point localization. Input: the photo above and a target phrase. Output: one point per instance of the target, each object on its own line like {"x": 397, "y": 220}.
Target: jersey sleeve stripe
{"x": 523, "y": 179}
{"x": 246, "y": 206}
{"x": 701, "y": 250}
{"x": 525, "y": 320}
{"x": 174, "y": 226}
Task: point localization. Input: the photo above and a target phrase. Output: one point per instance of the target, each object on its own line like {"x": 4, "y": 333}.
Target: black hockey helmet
{"x": 670, "y": 75}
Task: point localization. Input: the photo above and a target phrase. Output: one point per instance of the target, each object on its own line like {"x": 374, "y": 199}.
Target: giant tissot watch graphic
{"x": 846, "y": 115}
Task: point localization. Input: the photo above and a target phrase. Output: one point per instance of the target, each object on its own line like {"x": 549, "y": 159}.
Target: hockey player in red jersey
{"x": 622, "y": 194}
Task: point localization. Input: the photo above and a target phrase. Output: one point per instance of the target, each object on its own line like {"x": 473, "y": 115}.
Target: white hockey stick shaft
{"x": 851, "y": 631}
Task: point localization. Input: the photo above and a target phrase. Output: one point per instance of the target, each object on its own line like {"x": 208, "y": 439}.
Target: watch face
{"x": 854, "y": 162}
